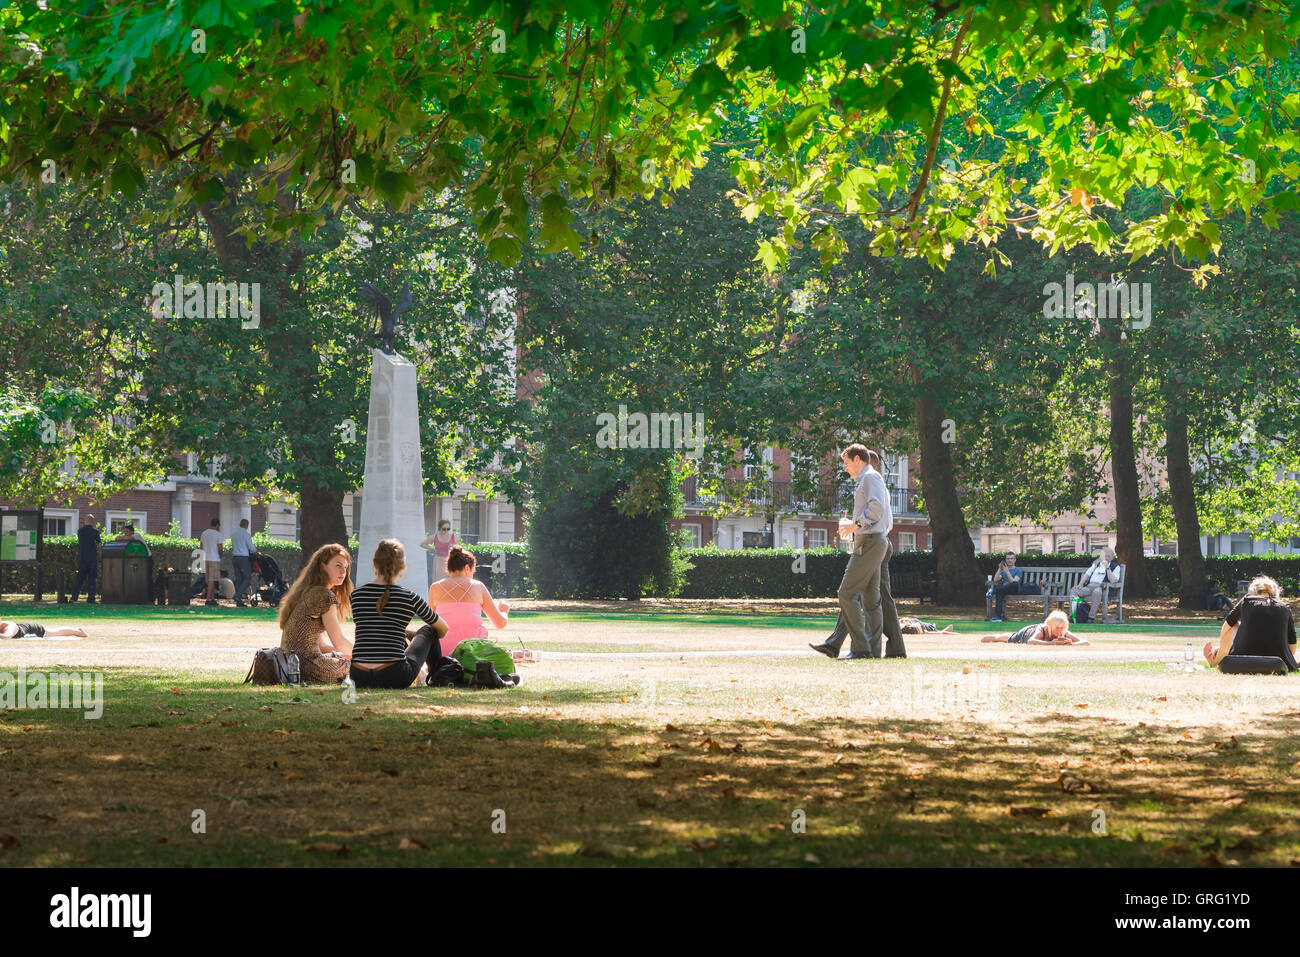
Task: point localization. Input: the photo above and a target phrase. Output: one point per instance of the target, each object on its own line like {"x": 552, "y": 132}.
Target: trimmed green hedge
{"x": 60, "y": 553}
{"x": 713, "y": 573}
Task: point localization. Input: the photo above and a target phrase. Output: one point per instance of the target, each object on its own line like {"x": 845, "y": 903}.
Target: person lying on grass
{"x": 1260, "y": 624}
{"x": 915, "y": 626}
{"x": 22, "y": 629}
{"x": 1054, "y": 630}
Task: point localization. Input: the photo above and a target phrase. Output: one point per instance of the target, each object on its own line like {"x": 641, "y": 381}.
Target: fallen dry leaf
{"x": 1028, "y": 810}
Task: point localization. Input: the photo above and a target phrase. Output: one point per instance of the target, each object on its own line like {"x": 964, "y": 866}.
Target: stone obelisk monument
{"x": 392, "y": 499}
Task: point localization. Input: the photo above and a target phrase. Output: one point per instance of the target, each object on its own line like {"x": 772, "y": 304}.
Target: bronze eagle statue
{"x": 389, "y": 317}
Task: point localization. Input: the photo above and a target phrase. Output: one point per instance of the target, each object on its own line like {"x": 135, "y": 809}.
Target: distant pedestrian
{"x": 242, "y": 551}
{"x": 131, "y": 534}
{"x": 442, "y": 541}
{"x": 210, "y": 544}
{"x": 88, "y": 539}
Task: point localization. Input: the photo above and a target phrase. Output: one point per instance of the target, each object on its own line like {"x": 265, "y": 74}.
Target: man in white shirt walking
{"x": 210, "y": 545}
{"x": 242, "y": 551}
{"x": 864, "y": 591}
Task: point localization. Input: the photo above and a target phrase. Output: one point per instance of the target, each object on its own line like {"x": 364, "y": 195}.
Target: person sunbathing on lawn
{"x": 915, "y": 626}
{"x": 1054, "y": 630}
{"x": 22, "y": 629}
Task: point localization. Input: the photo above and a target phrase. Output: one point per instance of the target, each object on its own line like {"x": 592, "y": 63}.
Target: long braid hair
{"x": 390, "y": 562}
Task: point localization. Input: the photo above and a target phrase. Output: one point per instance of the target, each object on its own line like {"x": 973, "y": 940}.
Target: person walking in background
{"x": 1006, "y": 581}
{"x": 461, "y": 600}
{"x": 88, "y": 539}
{"x": 242, "y": 551}
{"x": 210, "y": 545}
{"x": 864, "y": 591}
{"x": 441, "y": 542}
{"x": 1092, "y": 586}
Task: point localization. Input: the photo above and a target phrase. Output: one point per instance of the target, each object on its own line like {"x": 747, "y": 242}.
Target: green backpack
{"x": 473, "y": 650}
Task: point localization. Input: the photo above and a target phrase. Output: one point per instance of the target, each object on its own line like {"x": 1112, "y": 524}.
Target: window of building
{"x": 892, "y": 467}
{"x": 118, "y": 520}
{"x": 471, "y": 522}
{"x": 1001, "y": 544}
{"x": 1241, "y": 544}
{"x": 754, "y": 540}
{"x": 1097, "y": 542}
{"x": 692, "y": 535}
{"x": 1166, "y": 548}
{"x": 58, "y": 523}
{"x": 907, "y": 541}
{"x": 816, "y": 538}
{"x": 1034, "y": 544}
{"x": 1066, "y": 544}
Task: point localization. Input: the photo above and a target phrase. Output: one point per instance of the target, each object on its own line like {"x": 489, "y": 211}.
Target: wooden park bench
{"x": 911, "y": 585}
{"x": 1055, "y": 584}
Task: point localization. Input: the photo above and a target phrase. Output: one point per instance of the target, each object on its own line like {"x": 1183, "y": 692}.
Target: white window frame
{"x": 813, "y": 535}
{"x": 67, "y": 513}
{"x": 698, "y": 530}
{"x": 893, "y": 469}
{"x": 138, "y": 519}
{"x": 907, "y": 541}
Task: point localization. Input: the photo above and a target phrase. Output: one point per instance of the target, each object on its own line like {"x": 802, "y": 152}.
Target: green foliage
{"x": 598, "y": 534}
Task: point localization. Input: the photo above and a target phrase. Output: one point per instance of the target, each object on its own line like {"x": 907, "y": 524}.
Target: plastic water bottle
{"x": 295, "y": 669}
{"x": 1188, "y": 659}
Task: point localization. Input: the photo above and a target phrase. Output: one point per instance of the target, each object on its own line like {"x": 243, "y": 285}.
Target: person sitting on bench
{"x": 1092, "y": 586}
{"x": 915, "y": 626}
{"x": 1054, "y": 630}
{"x": 23, "y": 629}
{"x": 1006, "y": 581}
{"x": 1260, "y": 625}
{"x": 1215, "y": 599}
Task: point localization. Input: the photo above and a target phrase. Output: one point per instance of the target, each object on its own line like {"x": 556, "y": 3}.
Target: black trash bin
{"x": 128, "y": 574}
{"x": 178, "y": 588}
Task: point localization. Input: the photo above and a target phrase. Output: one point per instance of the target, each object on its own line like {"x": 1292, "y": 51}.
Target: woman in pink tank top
{"x": 441, "y": 546}
{"x": 461, "y": 600}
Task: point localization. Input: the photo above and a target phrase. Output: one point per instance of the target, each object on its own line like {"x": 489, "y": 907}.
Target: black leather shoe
{"x": 852, "y": 657}
{"x": 826, "y": 650}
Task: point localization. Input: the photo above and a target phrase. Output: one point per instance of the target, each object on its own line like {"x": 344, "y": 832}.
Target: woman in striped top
{"x": 381, "y": 656}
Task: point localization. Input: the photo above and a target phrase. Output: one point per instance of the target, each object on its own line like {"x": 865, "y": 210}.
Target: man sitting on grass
{"x": 23, "y": 629}
{"x": 1054, "y": 630}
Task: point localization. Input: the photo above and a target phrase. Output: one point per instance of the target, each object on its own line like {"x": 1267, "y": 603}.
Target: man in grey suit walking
{"x": 864, "y": 591}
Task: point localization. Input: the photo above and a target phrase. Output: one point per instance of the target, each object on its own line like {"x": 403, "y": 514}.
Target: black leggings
{"x": 400, "y": 673}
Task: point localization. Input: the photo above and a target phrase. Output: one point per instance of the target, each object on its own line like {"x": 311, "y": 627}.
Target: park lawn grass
{"x": 666, "y": 762}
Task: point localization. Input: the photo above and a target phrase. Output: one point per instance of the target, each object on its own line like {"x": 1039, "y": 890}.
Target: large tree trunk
{"x": 1182, "y": 495}
{"x": 960, "y": 580}
{"x": 1123, "y": 471}
{"x": 322, "y": 519}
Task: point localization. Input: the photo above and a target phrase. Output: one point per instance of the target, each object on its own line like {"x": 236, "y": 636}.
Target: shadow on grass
{"x": 305, "y": 779}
